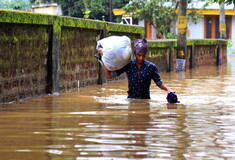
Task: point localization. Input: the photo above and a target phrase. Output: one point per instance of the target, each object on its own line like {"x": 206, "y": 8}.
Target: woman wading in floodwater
{"x": 140, "y": 72}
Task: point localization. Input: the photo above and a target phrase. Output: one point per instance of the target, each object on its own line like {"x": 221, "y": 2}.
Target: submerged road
{"x": 98, "y": 122}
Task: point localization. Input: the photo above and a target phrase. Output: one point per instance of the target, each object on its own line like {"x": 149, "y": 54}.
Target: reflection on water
{"x": 100, "y": 123}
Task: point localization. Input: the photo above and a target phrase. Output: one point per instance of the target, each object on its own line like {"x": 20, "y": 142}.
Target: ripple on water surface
{"x": 98, "y": 122}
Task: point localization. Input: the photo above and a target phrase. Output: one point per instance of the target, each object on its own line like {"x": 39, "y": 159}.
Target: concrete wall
{"x": 199, "y": 53}
{"x": 23, "y": 55}
{"x": 42, "y": 54}
{"x": 197, "y": 32}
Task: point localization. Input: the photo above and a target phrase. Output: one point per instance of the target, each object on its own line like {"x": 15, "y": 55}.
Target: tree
{"x": 182, "y": 39}
{"x": 74, "y": 8}
{"x": 222, "y": 22}
{"x": 15, "y": 4}
{"x": 159, "y": 13}
{"x": 224, "y": 1}
{"x": 92, "y": 9}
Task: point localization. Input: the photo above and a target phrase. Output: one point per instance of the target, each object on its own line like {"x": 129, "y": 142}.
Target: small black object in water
{"x": 172, "y": 98}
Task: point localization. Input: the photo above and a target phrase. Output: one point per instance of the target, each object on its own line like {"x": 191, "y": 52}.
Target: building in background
{"x": 208, "y": 26}
{"x": 205, "y": 28}
{"x": 47, "y": 8}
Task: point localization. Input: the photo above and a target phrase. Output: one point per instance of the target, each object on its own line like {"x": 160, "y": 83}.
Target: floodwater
{"x": 98, "y": 122}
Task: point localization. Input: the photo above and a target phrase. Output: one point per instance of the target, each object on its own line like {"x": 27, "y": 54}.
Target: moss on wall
{"x": 162, "y": 43}
{"x": 22, "y": 46}
{"x": 23, "y": 60}
{"x": 11, "y": 16}
{"x": 207, "y": 42}
{"x": 78, "y": 47}
{"x": 31, "y": 43}
{"x": 113, "y": 27}
{"x": 173, "y": 43}
{"x": 81, "y": 23}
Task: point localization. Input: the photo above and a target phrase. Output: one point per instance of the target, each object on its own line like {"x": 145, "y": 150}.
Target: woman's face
{"x": 140, "y": 57}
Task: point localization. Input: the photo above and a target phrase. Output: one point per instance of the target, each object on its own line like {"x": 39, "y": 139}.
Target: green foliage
{"x": 4, "y": 64}
{"x": 230, "y": 46}
{"x": 224, "y": 1}
{"x": 93, "y": 9}
{"x": 194, "y": 16}
{"x": 167, "y": 34}
{"x": 15, "y": 4}
{"x": 152, "y": 10}
{"x": 86, "y": 14}
{"x": 159, "y": 13}
{"x": 230, "y": 43}
{"x": 15, "y": 39}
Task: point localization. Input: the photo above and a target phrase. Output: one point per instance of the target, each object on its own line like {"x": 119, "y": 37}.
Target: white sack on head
{"x": 116, "y": 51}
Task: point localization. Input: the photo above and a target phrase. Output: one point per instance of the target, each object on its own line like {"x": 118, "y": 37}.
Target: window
{"x": 212, "y": 26}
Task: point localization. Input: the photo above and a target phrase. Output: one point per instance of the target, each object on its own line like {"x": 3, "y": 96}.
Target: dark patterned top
{"x": 139, "y": 79}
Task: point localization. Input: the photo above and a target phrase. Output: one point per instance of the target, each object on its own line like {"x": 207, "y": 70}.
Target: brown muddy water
{"x": 98, "y": 122}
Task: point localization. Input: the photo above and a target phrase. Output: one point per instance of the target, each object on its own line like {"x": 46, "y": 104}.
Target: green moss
{"x": 206, "y": 42}
{"x": 156, "y": 52}
{"x": 173, "y": 43}
{"x": 22, "y": 46}
{"x": 113, "y": 27}
{"x": 81, "y": 23}
{"x": 5, "y": 64}
{"x": 78, "y": 60}
{"x": 63, "y": 30}
{"x": 3, "y": 37}
{"x": 57, "y": 31}
{"x": 155, "y": 55}
{"x": 11, "y": 16}
{"x": 162, "y": 43}
{"x": 15, "y": 39}
{"x": 7, "y": 16}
